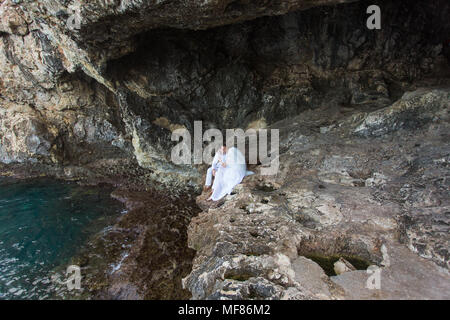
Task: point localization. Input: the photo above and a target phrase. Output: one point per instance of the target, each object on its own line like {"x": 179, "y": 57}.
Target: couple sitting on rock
{"x": 228, "y": 169}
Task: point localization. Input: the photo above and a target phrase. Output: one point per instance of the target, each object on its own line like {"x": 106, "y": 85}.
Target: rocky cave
{"x": 363, "y": 117}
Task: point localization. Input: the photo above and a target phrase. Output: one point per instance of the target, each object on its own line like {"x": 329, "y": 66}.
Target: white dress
{"x": 228, "y": 177}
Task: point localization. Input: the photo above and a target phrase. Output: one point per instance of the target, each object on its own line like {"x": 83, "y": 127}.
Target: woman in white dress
{"x": 229, "y": 174}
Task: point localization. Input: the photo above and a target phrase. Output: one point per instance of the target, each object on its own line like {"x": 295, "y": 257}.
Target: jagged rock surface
{"x": 337, "y": 194}
{"x": 363, "y": 163}
{"x": 105, "y": 97}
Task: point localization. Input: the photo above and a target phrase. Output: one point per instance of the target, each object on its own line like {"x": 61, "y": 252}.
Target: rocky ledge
{"x": 369, "y": 187}
{"x": 363, "y": 119}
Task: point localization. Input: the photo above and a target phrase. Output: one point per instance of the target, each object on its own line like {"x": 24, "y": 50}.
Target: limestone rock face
{"x": 317, "y": 232}
{"x": 24, "y": 137}
{"x": 112, "y": 22}
{"x": 12, "y": 19}
{"x": 93, "y": 90}
{"x": 112, "y": 80}
{"x": 412, "y": 110}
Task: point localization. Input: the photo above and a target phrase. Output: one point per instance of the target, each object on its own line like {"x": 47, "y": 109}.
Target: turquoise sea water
{"x": 43, "y": 223}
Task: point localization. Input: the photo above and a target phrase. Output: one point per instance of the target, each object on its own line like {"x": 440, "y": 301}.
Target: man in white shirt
{"x": 219, "y": 160}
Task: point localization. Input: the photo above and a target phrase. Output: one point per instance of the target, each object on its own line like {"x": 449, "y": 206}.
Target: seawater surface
{"x": 43, "y": 224}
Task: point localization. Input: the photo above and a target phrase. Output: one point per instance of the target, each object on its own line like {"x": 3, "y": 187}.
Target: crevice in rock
{"x": 327, "y": 262}
{"x": 325, "y": 251}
